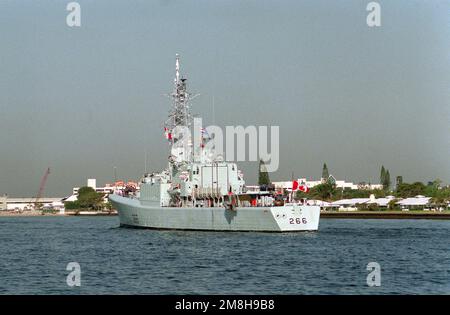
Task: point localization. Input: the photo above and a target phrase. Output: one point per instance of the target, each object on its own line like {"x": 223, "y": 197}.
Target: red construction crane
{"x": 41, "y": 188}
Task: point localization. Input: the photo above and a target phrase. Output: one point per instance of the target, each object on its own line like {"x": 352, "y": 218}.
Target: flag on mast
{"x": 167, "y": 134}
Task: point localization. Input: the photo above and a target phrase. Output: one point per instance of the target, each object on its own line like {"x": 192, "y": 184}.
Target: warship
{"x": 200, "y": 191}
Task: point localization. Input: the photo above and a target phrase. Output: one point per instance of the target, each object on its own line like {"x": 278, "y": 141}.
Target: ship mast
{"x": 179, "y": 114}
{"x": 180, "y": 119}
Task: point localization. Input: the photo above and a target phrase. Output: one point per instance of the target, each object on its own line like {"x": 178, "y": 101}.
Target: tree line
{"x": 328, "y": 191}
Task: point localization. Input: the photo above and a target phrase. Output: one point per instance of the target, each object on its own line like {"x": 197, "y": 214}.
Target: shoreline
{"x": 426, "y": 215}
{"x": 7, "y": 214}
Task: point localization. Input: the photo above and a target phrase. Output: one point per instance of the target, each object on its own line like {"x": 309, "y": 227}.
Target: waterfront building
{"x": 339, "y": 184}
{"x": 418, "y": 202}
{"x": 24, "y": 204}
{"x": 354, "y": 203}
{"x": 3, "y": 202}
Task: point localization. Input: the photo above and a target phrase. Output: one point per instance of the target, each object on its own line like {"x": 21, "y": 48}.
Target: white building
{"x": 339, "y": 184}
{"x": 348, "y": 204}
{"x": 417, "y": 202}
{"x": 92, "y": 182}
{"x": 23, "y": 204}
{"x": 320, "y": 203}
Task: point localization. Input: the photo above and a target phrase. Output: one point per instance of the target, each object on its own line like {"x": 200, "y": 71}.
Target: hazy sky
{"x": 82, "y": 100}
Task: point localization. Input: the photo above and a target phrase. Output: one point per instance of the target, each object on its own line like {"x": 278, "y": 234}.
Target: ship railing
{"x": 206, "y": 192}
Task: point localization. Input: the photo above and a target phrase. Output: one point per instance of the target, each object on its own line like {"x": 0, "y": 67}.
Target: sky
{"x": 83, "y": 100}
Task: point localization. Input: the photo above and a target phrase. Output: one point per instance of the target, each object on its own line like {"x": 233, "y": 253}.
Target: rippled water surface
{"x": 34, "y": 251}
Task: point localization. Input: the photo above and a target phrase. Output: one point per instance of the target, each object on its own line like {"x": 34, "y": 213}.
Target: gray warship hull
{"x": 289, "y": 218}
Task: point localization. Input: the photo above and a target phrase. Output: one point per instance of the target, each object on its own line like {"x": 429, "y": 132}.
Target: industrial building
{"x": 24, "y": 204}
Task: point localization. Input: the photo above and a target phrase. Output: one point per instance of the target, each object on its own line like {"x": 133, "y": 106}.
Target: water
{"x": 414, "y": 256}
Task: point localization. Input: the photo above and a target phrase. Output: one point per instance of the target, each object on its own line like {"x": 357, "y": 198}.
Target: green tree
{"x": 382, "y": 175}
{"x": 360, "y": 193}
{"x": 324, "y": 191}
{"x": 108, "y": 206}
{"x": 399, "y": 180}
{"x": 387, "y": 180}
{"x": 392, "y": 204}
{"x": 88, "y": 198}
{"x": 325, "y": 173}
{"x": 440, "y": 196}
{"x": 71, "y": 205}
{"x": 433, "y": 188}
{"x": 406, "y": 190}
{"x": 263, "y": 178}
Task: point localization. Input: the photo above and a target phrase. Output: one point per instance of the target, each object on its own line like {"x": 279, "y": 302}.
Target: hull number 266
{"x": 297, "y": 221}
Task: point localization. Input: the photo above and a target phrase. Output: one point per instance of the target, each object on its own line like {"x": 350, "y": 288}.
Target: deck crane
{"x": 41, "y": 188}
